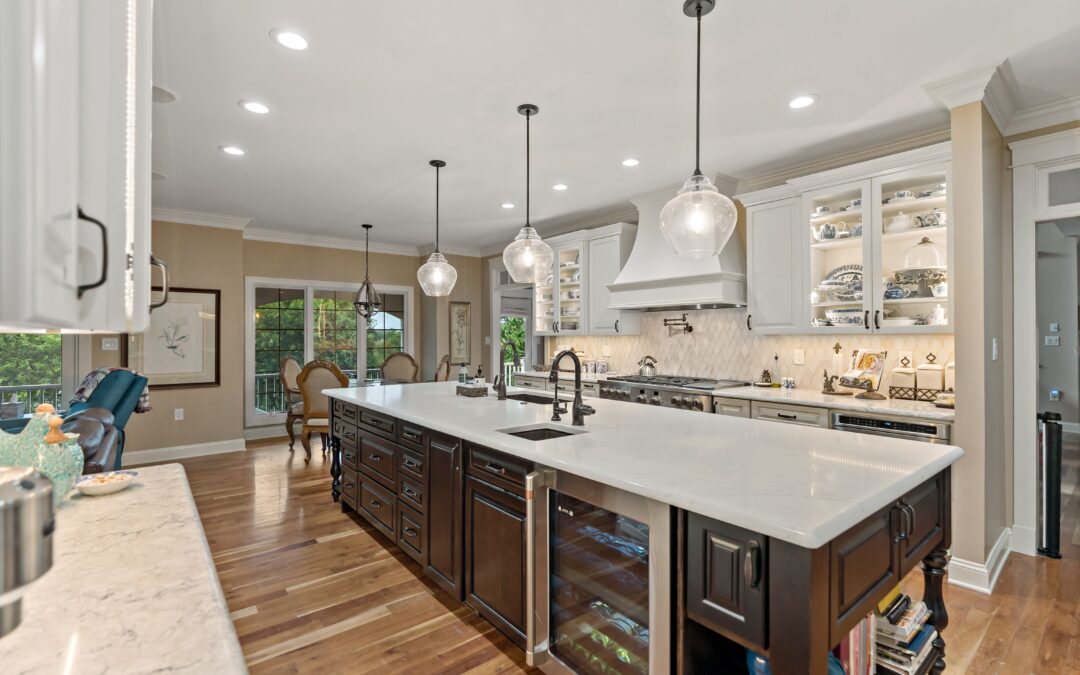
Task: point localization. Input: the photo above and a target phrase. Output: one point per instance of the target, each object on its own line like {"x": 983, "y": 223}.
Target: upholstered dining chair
{"x": 442, "y": 371}
{"x": 294, "y": 404}
{"x": 399, "y": 367}
{"x": 316, "y": 376}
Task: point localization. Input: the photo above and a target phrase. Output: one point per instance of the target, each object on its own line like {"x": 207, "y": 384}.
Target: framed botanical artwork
{"x": 460, "y": 335}
{"x": 181, "y": 347}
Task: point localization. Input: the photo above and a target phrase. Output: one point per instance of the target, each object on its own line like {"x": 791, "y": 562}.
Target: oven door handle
{"x": 536, "y": 485}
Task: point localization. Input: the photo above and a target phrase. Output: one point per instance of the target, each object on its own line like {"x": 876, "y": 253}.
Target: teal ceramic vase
{"x": 61, "y": 462}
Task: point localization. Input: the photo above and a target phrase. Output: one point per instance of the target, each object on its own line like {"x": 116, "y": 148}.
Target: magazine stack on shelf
{"x": 903, "y": 636}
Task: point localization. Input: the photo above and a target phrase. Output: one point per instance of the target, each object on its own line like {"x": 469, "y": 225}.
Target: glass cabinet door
{"x": 912, "y": 254}
{"x": 570, "y": 287}
{"x": 545, "y": 302}
{"x": 839, "y": 256}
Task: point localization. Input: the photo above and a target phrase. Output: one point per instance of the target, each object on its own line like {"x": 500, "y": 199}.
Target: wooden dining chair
{"x": 399, "y": 367}
{"x": 315, "y": 377}
{"x": 442, "y": 371}
{"x": 294, "y": 404}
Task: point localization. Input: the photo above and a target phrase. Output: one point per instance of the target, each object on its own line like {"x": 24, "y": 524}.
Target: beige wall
{"x": 204, "y": 257}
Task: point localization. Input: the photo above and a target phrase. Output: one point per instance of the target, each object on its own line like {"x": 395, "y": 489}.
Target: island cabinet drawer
{"x": 732, "y": 407}
{"x": 411, "y": 436}
{"x": 377, "y": 459}
{"x": 792, "y": 414}
{"x": 346, "y": 412}
{"x": 530, "y": 382}
{"x": 349, "y": 455}
{"x": 412, "y": 492}
{"x": 726, "y": 581}
{"x": 377, "y": 506}
{"x": 410, "y": 534}
{"x": 497, "y": 468}
{"x": 346, "y": 432}
{"x": 383, "y": 425}
{"x": 350, "y": 486}
{"x": 927, "y": 509}
{"x": 411, "y": 464}
{"x": 863, "y": 567}
{"x": 588, "y": 388}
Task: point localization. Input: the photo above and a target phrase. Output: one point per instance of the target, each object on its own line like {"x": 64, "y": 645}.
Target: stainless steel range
{"x": 667, "y": 391}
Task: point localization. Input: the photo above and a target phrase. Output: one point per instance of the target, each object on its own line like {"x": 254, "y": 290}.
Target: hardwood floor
{"x": 315, "y": 590}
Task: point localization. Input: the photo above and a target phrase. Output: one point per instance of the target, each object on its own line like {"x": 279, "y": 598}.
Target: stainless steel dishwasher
{"x": 911, "y": 428}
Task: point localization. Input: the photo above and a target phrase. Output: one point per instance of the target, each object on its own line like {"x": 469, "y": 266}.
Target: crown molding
{"x": 778, "y": 179}
{"x": 204, "y": 218}
{"x": 467, "y": 251}
{"x": 1045, "y": 115}
{"x": 278, "y": 237}
{"x": 994, "y": 86}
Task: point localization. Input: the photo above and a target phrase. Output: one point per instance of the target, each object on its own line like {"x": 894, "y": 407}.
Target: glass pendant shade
{"x": 367, "y": 301}
{"x": 528, "y": 258}
{"x": 699, "y": 221}
{"x": 437, "y": 277}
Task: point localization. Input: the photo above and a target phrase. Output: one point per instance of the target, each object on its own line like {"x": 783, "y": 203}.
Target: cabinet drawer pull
{"x": 786, "y": 416}
{"x": 408, "y": 532}
{"x": 909, "y": 518}
{"x": 409, "y": 492}
{"x": 411, "y": 435}
{"x": 375, "y": 504}
{"x": 348, "y": 484}
{"x": 494, "y": 468}
{"x": 752, "y": 565}
{"x": 376, "y": 422}
{"x": 375, "y": 458}
{"x": 411, "y": 464}
{"x": 349, "y": 457}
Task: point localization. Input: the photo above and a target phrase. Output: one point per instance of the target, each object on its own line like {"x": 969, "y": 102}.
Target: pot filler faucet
{"x": 500, "y": 379}
{"x": 580, "y": 409}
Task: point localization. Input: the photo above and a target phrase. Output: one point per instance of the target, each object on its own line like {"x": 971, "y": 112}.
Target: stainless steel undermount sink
{"x": 535, "y": 398}
{"x": 541, "y": 432}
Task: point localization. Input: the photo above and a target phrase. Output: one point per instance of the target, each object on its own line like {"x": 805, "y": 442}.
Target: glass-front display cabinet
{"x": 559, "y": 296}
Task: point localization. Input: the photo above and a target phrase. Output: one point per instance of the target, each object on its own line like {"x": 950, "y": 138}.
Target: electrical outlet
{"x": 178, "y": 414}
{"x": 110, "y": 344}
{"x": 798, "y": 357}
{"x": 1052, "y": 341}
{"x": 1055, "y": 395}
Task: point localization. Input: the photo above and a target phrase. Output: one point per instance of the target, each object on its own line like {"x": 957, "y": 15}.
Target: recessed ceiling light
{"x": 507, "y": 205}
{"x": 559, "y": 186}
{"x": 631, "y": 162}
{"x": 254, "y": 106}
{"x": 231, "y": 150}
{"x": 288, "y": 39}
{"x": 803, "y": 101}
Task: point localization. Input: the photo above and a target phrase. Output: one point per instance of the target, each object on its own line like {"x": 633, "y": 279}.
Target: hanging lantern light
{"x": 367, "y": 301}
{"x": 528, "y": 257}
{"x": 699, "y": 221}
{"x": 437, "y": 277}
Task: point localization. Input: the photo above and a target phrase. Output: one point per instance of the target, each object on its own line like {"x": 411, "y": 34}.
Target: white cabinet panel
{"x": 607, "y": 255}
{"x": 775, "y": 241}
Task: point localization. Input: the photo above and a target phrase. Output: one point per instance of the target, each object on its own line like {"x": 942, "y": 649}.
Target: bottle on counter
{"x": 462, "y": 374}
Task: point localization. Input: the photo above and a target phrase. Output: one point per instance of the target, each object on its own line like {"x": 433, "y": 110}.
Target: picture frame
{"x": 460, "y": 333}
{"x": 181, "y": 348}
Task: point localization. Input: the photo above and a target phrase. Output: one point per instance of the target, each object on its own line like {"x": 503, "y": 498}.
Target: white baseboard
{"x": 1023, "y": 540}
{"x": 268, "y": 431}
{"x": 137, "y": 457}
{"x": 981, "y": 577}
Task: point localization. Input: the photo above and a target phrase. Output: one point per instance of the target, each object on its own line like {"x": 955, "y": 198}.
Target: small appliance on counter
{"x": 26, "y": 527}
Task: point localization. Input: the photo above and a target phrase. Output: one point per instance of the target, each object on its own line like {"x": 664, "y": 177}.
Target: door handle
{"x": 616, "y": 325}
{"x": 158, "y": 263}
{"x": 104, "y": 253}
{"x": 752, "y": 564}
{"x": 877, "y": 319}
{"x": 866, "y": 320}
{"x": 748, "y": 327}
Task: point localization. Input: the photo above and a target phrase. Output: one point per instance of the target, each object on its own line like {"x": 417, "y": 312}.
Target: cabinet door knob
{"x": 104, "y": 253}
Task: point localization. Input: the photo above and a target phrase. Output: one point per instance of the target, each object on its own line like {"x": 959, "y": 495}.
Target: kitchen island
{"x": 779, "y": 530}
{"x": 132, "y": 589}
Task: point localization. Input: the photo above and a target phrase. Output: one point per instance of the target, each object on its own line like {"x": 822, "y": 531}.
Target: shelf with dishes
{"x": 841, "y": 242}
{"x": 931, "y": 199}
{"x": 936, "y": 231}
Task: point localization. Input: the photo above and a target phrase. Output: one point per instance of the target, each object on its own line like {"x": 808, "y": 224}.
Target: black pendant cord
{"x": 436, "y": 209}
{"x": 367, "y": 250}
{"x": 697, "y": 117}
{"x": 528, "y": 164}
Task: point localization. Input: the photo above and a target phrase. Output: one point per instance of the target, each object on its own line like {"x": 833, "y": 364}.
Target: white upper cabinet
{"x": 774, "y": 254}
{"x": 608, "y": 252}
{"x": 75, "y": 165}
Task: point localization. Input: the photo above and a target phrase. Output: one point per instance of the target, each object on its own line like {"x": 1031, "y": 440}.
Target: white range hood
{"x": 654, "y": 277}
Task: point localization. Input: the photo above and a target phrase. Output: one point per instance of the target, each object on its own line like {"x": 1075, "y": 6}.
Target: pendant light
{"x": 528, "y": 257}
{"x": 367, "y": 301}
{"x": 699, "y": 221}
{"x": 437, "y": 277}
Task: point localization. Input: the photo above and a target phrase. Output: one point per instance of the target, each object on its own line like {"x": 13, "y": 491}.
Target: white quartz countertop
{"x": 814, "y": 397}
{"x": 132, "y": 589}
{"x": 563, "y": 376}
{"x": 799, "y": 484}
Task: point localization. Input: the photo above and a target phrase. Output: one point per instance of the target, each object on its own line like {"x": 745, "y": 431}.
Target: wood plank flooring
{"x": 314, "y": 590}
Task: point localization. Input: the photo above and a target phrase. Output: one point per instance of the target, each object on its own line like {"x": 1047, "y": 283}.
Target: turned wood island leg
{"x": 933, "y": 567}
{"x": 335, "y": 469}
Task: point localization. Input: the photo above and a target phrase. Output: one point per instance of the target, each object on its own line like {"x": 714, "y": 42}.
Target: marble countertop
{"x": 132, "y": 589}
{"x": 814, "y": 397}
{"x": 799, "y": 484}
{"x": 563, "y": 376}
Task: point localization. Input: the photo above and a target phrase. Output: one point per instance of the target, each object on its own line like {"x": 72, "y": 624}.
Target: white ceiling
{"x": 387, "y": 85}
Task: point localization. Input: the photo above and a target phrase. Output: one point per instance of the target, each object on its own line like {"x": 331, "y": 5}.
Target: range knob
{"x": 679, "y": 401}
{"x": 641, "y": 398}
{"x": 625, "y": 395}
{"x": 655, "y": 400}
{"x": 698, "y": 405}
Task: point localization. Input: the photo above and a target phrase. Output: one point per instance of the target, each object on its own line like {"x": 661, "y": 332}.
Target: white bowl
{"x": 97, "y": 484}
{"x": 900, "y": 321}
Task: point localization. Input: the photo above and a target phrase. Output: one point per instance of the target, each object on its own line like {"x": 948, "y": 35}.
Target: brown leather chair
{"x": 399, "y": 367}
{"x": 294, "y": 405}
{"x": 442, "y": 371}
{"x": 97, "y": 437}
{"x": 316, "y": 376}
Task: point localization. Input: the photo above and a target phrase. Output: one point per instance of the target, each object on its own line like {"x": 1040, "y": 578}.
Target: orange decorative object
{"x": 45, "y": 408}
{"x": 55, "y": 435}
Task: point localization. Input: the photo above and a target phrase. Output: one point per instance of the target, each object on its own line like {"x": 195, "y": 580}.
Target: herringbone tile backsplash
{"x": 720, "y": 346}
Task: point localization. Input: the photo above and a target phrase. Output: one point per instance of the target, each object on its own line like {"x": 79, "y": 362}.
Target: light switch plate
{"x": 1055, "y": 328}
{"x": 1055, "y": 395}
{"x": 1052, "y": 341}
{"x": 110, "y": 344}
{"x": 798, "y": 357}
{"x": 178, "y": 414}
